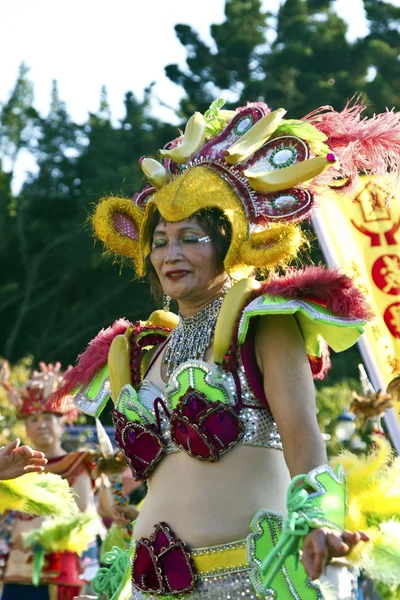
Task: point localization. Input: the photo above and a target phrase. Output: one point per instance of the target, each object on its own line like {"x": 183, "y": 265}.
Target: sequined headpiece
{"x": 32, "y": 398}
{"x": 261, "y": 170}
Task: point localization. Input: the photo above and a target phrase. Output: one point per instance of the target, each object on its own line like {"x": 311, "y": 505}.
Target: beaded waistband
{"x": 221, "y": 560}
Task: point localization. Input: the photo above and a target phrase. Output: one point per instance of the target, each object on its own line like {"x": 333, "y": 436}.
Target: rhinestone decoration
{"x": 162, "y": 564}
{"x": 192, "y": 336}
{"x": 132, "y": 408}
{"x": 259, "y": 426}
{"x": 244, "y": 125}
{"x": 215, "y": 552}
{"x": 235, "y": 586}
{"x": 283, "y": 157}
{"x": 216, "y": 384}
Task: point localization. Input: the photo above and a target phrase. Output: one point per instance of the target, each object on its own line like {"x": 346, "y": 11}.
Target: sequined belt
{"x": 163, "y": 565}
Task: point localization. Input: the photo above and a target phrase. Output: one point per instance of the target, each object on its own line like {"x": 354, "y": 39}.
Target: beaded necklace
{"x": 192, "y": 336}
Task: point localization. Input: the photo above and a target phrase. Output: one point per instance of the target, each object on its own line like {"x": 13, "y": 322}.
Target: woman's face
{"x": 44, "y": 430}
{"x": 184, "y": 259}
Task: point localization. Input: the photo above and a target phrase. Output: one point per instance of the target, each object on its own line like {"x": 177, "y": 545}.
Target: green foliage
{"x": 387, "y": 592}
{"x": 17, "y": 119}
{"x": 331, "y": 402}
{"x": 10, "y": 426}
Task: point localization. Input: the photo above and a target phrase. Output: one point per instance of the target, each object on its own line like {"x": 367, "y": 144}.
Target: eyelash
{"x": 163, "y": 243}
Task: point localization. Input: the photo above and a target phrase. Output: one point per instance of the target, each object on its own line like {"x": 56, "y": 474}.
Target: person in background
{"x": 61, "y": 577}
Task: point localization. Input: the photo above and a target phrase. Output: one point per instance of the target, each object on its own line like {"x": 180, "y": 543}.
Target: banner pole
{"x": 363, "y": 345}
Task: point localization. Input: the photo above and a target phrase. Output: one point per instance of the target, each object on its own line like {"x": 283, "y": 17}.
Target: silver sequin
{"x": 234, "y": 586}
{"x": 259, "y": 426}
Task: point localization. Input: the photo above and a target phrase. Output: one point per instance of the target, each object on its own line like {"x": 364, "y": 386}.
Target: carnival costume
{"x": 52, "y": 547}
{"x": 262, "y": 172}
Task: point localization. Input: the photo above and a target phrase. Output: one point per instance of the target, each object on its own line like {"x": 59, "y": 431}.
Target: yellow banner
{"x": 364, "y": 234}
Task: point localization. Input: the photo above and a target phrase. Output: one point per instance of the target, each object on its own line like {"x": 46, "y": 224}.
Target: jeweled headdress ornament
{"x": 33, "y": 396}
{"x": 261, "y": 170}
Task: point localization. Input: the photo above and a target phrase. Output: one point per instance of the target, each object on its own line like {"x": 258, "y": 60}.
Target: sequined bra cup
{"x": 204, "y": 411}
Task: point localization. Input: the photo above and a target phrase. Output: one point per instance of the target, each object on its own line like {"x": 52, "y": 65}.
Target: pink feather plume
{"x": 361, "y": 144}
{"x": 89, "y": 362}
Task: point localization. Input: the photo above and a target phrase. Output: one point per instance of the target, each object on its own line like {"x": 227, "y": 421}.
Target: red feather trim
{"x": 89, "y": 362}
{"x": 325, "y": 286}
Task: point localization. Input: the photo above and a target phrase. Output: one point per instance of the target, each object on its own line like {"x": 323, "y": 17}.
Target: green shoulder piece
{"x": 290, "y": 580}
{"x": 316, "y": 322}
{"x": 92, "y": 398}
{"x": 325, "y": 506}
{"x": 201, "y": 376}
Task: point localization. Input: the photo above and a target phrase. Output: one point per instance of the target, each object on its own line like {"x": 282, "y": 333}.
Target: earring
{"x": 166, "y": 302}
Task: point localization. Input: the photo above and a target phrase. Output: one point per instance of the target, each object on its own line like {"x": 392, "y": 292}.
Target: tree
{"x": 231, "y": 67}
{"x": 57, "y": 291}
{"x": 382, "y": 48}
{"x": 309, "y": 62}
{"x": 17, "y": 120}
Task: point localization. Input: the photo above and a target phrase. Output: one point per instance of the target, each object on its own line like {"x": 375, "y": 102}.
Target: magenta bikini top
{"x": 203, "y": 411}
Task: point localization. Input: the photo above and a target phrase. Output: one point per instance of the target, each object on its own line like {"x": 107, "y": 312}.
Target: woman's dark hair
{"x": 215, "y": 224}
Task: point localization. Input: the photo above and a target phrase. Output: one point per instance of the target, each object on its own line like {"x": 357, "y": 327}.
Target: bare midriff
{"x": 207, "y": 504}
{"x": 212, "y": 503}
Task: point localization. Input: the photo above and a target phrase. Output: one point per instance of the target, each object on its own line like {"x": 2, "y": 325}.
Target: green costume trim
{"x": 316, "y": 322}
{"x": 290, "y": 580}
{"x": 202, "y": 377}
{"x": 324, "y": 507}
{"x": 92, "y": 398}
{"x": 129, "y": 405}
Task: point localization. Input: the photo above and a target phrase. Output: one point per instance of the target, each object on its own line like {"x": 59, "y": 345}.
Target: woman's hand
{"x": 322, "y": 544}
{"x": 16, "y": 460}
{"x": 124, "y": 515}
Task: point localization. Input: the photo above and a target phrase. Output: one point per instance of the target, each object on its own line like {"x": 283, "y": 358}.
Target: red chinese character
{"x": 386, "y": 274}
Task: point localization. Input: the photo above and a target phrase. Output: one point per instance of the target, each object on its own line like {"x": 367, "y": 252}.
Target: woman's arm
{"x": 105, "y": 500}
{"x": 83, "y": 488}
{"x": 289, "y": 389}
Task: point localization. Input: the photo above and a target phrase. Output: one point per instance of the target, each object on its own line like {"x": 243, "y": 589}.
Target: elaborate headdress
{"x": 261, "y": 170}
{"x": 33, "y": 396}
